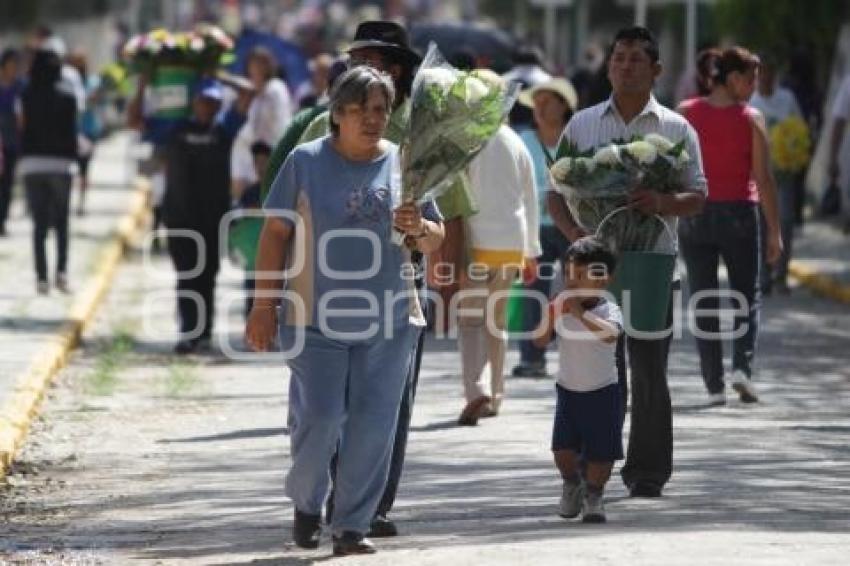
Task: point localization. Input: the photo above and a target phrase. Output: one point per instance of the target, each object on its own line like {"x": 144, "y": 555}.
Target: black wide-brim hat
{"x": 386, "y": 35}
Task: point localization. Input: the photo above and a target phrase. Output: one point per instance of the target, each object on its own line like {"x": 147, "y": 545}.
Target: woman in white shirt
{"x": 268, "y": 116}
{"x": 502, "y": 238}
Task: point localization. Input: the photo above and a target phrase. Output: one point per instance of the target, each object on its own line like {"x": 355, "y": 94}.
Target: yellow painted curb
{"x": 820, "y": 284}
{"x": 16, "y": 415}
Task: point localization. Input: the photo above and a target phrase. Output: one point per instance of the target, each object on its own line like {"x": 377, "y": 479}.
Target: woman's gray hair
{"x": 353, "y": 86}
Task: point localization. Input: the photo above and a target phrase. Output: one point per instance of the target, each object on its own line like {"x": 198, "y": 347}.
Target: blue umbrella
{"x": 288, "y": 55}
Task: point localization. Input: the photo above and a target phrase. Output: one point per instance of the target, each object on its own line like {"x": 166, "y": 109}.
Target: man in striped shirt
{"x": 633, "y": 66}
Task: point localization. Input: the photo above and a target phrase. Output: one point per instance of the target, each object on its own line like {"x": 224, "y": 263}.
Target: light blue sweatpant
{"x": 345, "y": 392}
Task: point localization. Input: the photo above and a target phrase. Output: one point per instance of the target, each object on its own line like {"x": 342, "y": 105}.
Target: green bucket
{"x": 513, "y": 310}
{"x": 242, "y": 240}
{"x": 647, "y": 276}
{"x": 171, "y": 89}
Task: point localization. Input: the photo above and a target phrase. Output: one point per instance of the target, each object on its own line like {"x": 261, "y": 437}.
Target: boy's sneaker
{"x": 593, "y": 509}
{"x": 744, "y": 387}
{"x": 571, "y": 497}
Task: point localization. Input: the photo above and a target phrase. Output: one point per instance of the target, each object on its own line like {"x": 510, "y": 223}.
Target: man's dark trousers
{"x": 196, "y": 319}
{"x": 405, "y": 412}
{"x": 649, "y": 458}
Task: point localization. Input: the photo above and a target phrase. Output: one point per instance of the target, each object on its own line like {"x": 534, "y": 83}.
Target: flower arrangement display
{"x": 204, "y": 48}
{"x": 597, "y": 182}
{"x": 790, "y": 145}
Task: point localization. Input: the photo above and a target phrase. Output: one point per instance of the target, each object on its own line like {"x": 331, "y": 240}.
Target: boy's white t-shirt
{"x": 586, "y": 363}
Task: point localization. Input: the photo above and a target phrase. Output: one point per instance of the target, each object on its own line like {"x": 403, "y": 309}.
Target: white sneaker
{"x": 717, "y": 399}
{"x": 571, "y": 497}
{"x": 744, "y": 387}
{"x": 593, "y": 510}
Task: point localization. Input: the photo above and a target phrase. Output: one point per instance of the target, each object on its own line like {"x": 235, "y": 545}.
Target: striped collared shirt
{"x": 602, "y": 124}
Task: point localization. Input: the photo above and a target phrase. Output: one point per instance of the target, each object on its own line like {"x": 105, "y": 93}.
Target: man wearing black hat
{"x": 385, "y": 46}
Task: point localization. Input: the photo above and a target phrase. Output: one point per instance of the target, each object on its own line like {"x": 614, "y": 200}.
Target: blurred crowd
{"x": 266, "y": 86}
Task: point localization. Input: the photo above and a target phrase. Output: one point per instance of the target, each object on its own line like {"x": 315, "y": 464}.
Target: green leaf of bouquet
{"x": 566, "y": 149}
{"x": 677, "y": 149}
{"x": 458, "y": 90}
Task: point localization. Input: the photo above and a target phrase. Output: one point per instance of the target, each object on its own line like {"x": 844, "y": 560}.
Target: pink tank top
{"x": 726, "y": 143}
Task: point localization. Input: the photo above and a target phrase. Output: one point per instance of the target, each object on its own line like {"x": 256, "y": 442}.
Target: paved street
{"x": 141, "y": 456}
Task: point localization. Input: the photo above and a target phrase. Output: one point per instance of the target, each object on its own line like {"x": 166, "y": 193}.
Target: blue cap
{"x": 210, "y": 88}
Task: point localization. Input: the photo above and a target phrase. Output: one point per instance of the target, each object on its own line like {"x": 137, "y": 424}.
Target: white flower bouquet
{"x": 597, "y": 182}
{"x": 453, "y": 115}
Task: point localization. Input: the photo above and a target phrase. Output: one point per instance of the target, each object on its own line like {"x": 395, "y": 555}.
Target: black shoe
{"x": 530, "y": 370}
{"x": 185, "y": 347}
{"x": 352, "y": 543}
{"x": 382, "y": 527}
{"x": 205, "y": 345}
{"x": 306, "y": 530}
{"x": 644, "y": 490}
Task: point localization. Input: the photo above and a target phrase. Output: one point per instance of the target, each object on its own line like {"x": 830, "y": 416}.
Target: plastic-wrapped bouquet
{"x": 453, "y": 115}
{"x": 596, "y": 182}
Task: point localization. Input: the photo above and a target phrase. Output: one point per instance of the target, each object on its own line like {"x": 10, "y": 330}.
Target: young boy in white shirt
{"x": 588, "y": 426}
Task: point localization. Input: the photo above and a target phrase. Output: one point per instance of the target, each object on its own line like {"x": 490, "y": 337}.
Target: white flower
{"x": 133, "y": 45}
{"x": 606, "y": 155}
{"x": 585, "y": 162}
{"x": 561, "y": 169}
{"x": 643, "y": 151}
{"x": 475, "y": 90}
{"x": 661, "y": 143}
{"x": 438, "y": 76}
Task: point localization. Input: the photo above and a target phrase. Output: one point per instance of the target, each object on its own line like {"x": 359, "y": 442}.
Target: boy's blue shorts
{"x": 589, "y": 423}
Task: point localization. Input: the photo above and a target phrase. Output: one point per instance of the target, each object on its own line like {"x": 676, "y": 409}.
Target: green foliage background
{"x": 779, "y": 27}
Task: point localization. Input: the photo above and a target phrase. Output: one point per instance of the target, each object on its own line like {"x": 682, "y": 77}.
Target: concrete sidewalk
{"x": 36, "y": 331}
{"x": 143, "y": 457}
